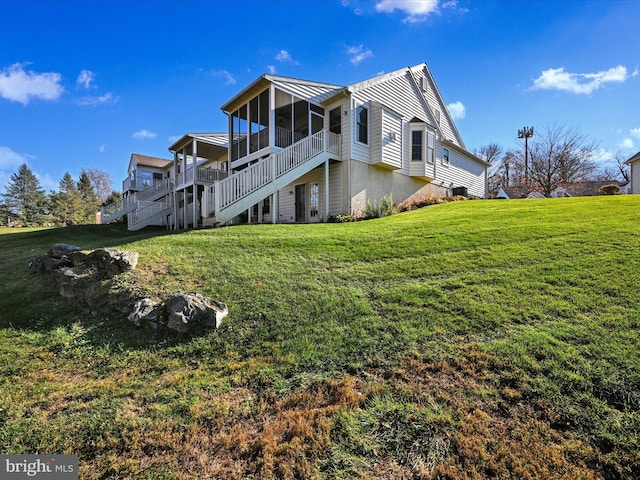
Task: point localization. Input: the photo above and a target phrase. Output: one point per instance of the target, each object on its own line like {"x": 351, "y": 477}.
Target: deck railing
{"x": 117, "y": 206}
{"x": 256, "y": 176}
{"x": 159, "y": 187}
{"x": 147, "y": 210}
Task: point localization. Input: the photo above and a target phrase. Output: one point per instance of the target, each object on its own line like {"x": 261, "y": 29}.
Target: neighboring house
{"x": 575, "y": 189}
{"x": 302, "y": 151}
{"x": 584, "y": 189}
{"x": 518, "y": 192}
{"x": 634, "y": 163}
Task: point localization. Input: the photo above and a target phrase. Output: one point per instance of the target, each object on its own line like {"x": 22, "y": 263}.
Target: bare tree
{"x": 560, "y": 155}
{"x": 623, "y": 169}
{"x": 490, "y": 153}
{"x": 102, "y": 182}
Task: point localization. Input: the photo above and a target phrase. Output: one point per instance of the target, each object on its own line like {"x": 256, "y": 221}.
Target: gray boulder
{"x": 110, "y": 262}
{"x": 59, "y": 250}
{"x": 186, "y": 310}
{"x": 145, "y": 310}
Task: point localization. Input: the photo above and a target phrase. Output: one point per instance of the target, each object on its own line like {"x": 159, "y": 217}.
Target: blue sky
{"x": 87, "y": 83}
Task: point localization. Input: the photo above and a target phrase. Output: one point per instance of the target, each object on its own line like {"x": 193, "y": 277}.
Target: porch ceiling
{"x": 209, "y": 145}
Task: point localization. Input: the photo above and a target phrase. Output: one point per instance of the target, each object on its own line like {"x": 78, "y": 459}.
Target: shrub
{"x": 611, "y": 189}
{"x": 382, "y": 209}
{"x": 419, "y": 202}
{"x": 341, "y": 218}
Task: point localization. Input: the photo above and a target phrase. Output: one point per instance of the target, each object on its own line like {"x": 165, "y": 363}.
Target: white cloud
{"x": 143, "y": 134}
{"x": 271, "y": 69}
{"x": 284, "y": 57}
{"x": 635, "y": 132}
{"x": 627, "y": 144}
{"x": 457, "y": 110}
{"x": 19, "y": 85}
{"x": 416, "y": 10}
{"x": 602, "y": 155}
{"x": 579, "y": 83}
{"x": 225, "y": 75}
{"x": 94, "y": 101}
{"x": 85, "y": 78}
{"x": 47, "y": 183}
{"x": 358, "y": 54}
{"x": 10, "y": 160}
{"x": 102, "y": 147}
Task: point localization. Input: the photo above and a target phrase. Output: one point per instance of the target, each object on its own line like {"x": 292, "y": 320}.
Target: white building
{"x": 301, "y": 151}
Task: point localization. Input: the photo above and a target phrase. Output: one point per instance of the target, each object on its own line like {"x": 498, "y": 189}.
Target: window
{"x": 335, "y": 121}
{"x": 416, "y": 145}
{"x": 362, "y": 124}
{"x": 314, "y": 202}
{"x": 445, "y": 156}
{"x": 431, "y": 140}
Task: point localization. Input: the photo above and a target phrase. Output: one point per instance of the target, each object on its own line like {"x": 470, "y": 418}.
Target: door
{"x": 301, "y": 207}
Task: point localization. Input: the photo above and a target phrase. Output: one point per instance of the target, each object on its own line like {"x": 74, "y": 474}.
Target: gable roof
{"x": 209, "y": 145}
{"x": 519, "y": 192}
{"x": 148, "y": 161}
{"x": 423, "y": 92}
{"x": 635, "y": 158}
{"x": 315, "y": 92}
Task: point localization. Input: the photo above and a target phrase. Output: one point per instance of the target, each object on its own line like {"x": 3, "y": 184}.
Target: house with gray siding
{"x": 634, "y": 178}
{"x": 302, "y": 151}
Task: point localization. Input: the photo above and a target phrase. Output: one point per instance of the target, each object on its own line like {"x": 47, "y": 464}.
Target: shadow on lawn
{"x": 31, "y": 303}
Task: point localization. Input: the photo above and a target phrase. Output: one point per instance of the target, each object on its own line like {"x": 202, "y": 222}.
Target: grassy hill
{"x": 484, "y": 339}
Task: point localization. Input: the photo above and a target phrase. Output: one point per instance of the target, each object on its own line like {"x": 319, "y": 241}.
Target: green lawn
{"x": 481, "y": 339}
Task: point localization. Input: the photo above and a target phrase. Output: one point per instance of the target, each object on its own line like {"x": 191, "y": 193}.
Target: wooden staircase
{"x": 135, "y": 201}
{"x": 231, "y": 196}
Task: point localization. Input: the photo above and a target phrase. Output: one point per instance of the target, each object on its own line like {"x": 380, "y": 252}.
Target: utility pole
{"x": 526, "y": 133}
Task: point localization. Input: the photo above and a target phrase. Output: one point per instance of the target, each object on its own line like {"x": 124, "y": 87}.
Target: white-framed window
{"x": 362, "y": 124}
{"x": 431, "y": 143}
{"x": 417, "y": 145}
{"x": 445, "y": 156}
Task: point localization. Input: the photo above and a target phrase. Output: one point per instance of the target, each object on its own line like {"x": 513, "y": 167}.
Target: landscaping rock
{"x": 72, "y": 282}
{"x": 186, "y": 310}
{"x": 111, "y": 262}
{"x": 100, "y": 280}
{"x": 145, "y": 310}
{"x": 61, "y": 249}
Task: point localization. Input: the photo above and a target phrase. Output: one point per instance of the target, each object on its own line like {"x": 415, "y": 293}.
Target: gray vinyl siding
{"x": 435, "y": 103}
{"x": 287, "y": 194}
{"x": 461, "y": 172}
{"x": 635, "y": 177}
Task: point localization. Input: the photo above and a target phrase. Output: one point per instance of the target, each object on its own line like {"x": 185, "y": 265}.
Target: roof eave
{"x": 457, "y": 147}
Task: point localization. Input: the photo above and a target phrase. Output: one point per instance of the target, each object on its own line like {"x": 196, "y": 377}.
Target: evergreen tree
{"x": 89, "y": 198}
{"x": 24, "y": 198}
{"x": 67, "y": 205}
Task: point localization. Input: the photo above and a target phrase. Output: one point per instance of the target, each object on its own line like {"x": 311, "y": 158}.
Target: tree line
{"x": 25, "y": 203}
{"x": 557, "y": 155}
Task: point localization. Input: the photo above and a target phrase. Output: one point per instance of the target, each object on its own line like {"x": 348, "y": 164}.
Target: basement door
{"x": 301, "y": 207}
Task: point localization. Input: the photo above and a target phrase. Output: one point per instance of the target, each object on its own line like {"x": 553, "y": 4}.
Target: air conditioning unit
{"x": 459, "y": 191}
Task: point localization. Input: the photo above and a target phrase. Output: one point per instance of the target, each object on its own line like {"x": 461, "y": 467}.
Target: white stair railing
{"x": 161, "y": 187}
{"x": 146, "y": 210}
{"x": 256, "y": 176}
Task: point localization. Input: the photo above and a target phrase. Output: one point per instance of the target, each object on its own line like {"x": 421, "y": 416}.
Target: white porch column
{"x": 184, "y": 166}
{"x": 326, "y": 191}
{"x": 194, "y": 158}
{"x": 274, "y": 207}
{"x": 184, "y": 208}
{"x": 194, "y": 188}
